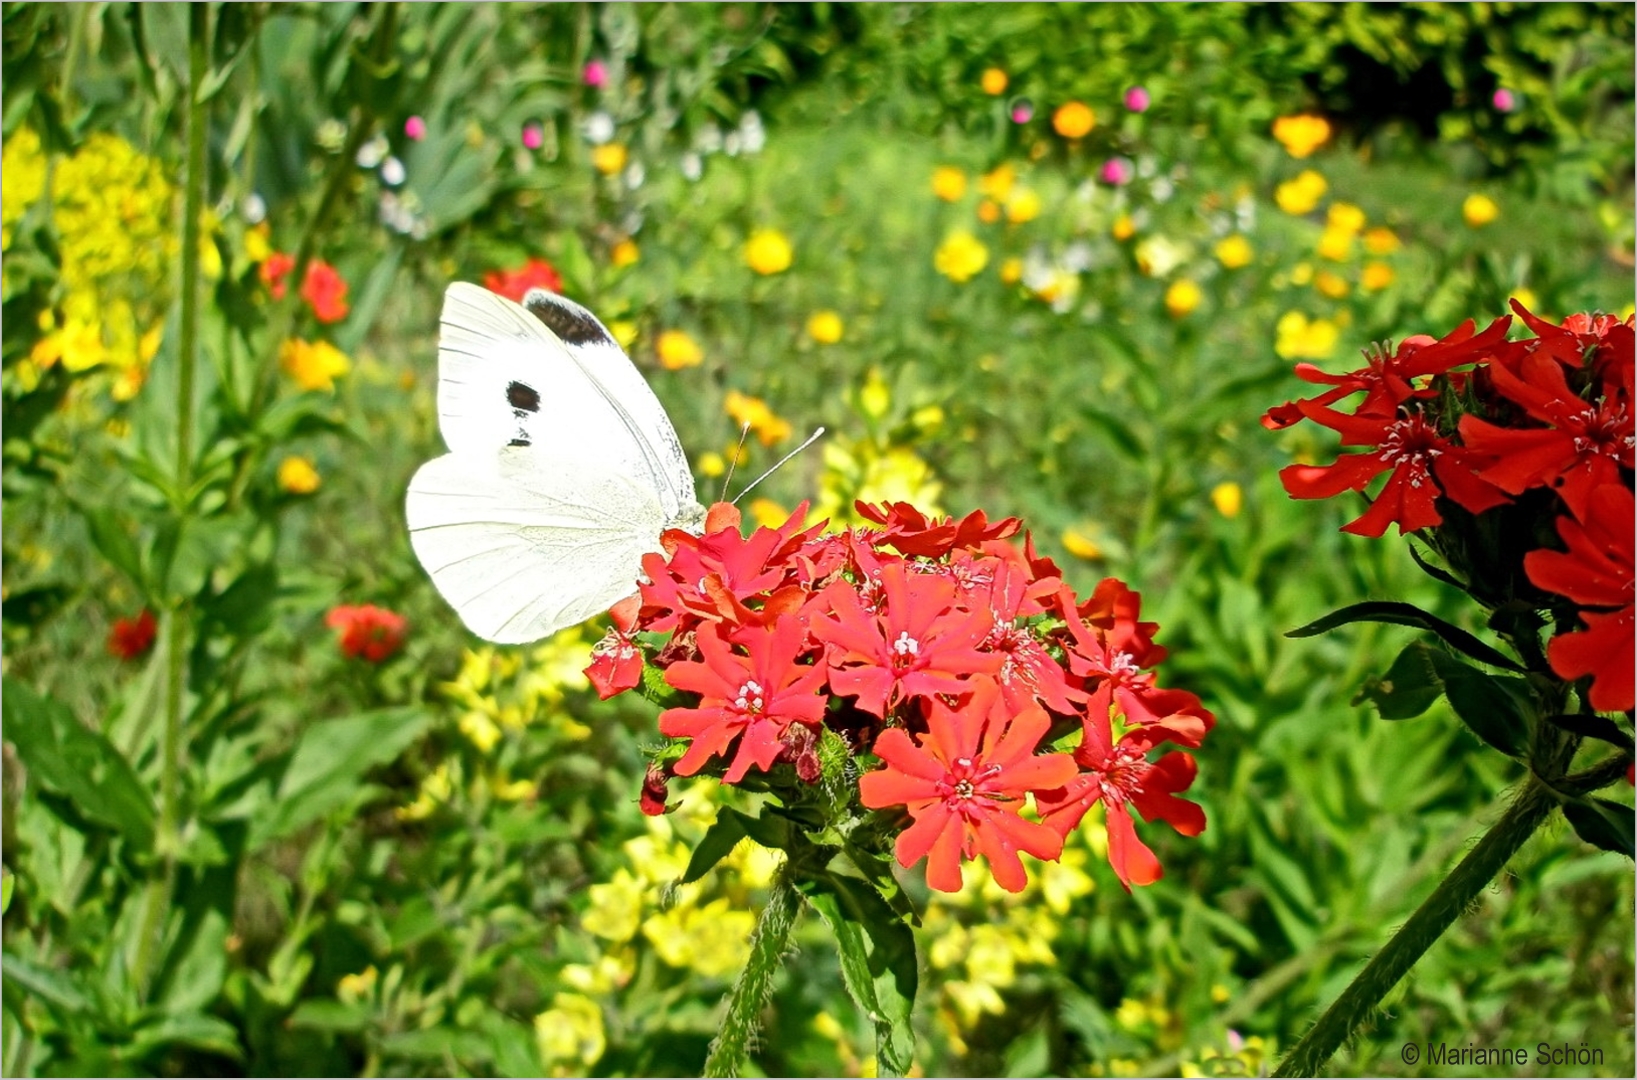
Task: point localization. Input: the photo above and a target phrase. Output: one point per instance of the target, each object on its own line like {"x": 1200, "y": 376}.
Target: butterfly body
{"x": 562, "y": 470}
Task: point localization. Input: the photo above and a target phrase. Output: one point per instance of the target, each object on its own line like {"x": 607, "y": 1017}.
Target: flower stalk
{"x": 731, "y": 1047}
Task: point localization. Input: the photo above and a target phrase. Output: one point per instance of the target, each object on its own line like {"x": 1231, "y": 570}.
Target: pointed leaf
{"x": 1593, "y": 726}
{"x": 877, "y": 962}
{"x": 720, "y": 839}
{"x": 1496, "y": 708}
{"x": 1408, "y": 689}
{"x": 1599, "y": 822}
{"x": 1401, "y": 614}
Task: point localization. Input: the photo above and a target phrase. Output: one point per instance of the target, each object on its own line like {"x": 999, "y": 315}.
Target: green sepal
{"x": 1604, "y": 824}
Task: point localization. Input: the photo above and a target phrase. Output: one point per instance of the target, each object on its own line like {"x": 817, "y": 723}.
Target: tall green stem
{"x": 167, "y": 836}
{"x": 731, "y": 1047}
{"x": 1431, "y": 919}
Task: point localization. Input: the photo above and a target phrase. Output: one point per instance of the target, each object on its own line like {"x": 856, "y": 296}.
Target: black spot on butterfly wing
{"x": 525, "y": 401}
{"x": 570, "y": 322}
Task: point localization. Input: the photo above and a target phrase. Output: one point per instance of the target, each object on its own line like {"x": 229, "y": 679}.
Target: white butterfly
{"x": 562, "y": 472}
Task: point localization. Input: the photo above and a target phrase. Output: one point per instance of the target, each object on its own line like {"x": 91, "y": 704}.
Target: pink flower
{"x": 1504, "y": 100}
{"x": 595, "y": 74}
{"x": 534, "y": 136}
{"x": 1136, "y": 99}
{"x": 1116, "y": 171}
{"x": 415, "y": 128}
{"x": 1022, "y": 112}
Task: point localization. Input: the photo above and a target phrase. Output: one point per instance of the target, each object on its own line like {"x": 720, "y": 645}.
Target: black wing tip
{"x": 568, "y": 320}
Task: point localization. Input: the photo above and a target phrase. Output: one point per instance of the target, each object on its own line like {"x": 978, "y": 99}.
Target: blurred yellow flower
{"x": 1301, "y": 273}
{"x": 1123, "y": 228}
{"x": 960, "y": 257}
{"x": 513, "y": 790}
{"x": 768, "y": 251}
{"x": 570, "y": 1035}
{"x": 1335, "y": 244}
{"x": 624, "y": 254}
{"x": 997, "y": 182}
{"x": 1157, "y": 256}
{"x": 615, "y": 908}
{"x": 624, "y": 331}
{"x": 712, "y": 464}
{"x": 1330, "y": 284}
{"x": 1301, "y": 135}
{"x": 1228, "y": 499}
{"x": 1011, "y": 270}
{"x": 480, "y": 729}
{"x": 994, "y": 82}
{"x": 1380, "y": 241}
{"x": 988, "y": 211}
{"x": 825, "y": 327}
{"x": 1081, "y": 546}
{"x": 1296, "y": 338}
{"x": 351, "y": 988}
{"x": 948, "y": 183}
{"x": 873, "y": 397}
{"x": 1301, "y": 195}
{"x": 313, "y": 365}
{"x": 1526, "y": 297}
{"x": 23, "y": 176}
{"x": 1073, "y": 120}
{"x": 753, "y": 411}
{"x": 1344, "y": 217}
{"x": 768, "y": 513}
{"x": 1376, "y": 276}
{"x": 256, "y": 245}
{"x": 297, "y": 475}
{"x": 1022, "y": 205}
{"x": 1234, "y": 252}
{"x": 677, "y": 350}
{"x": 1479, "y": 210}
{"x": 609, "y": 158}
{"x": 1182, "y": 297}
{"x": 712, "y": 939}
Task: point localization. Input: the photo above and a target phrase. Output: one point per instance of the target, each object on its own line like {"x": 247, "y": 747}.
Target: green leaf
{"x": 439, "y": 1043}
{"x": 1497, "y": 708}
{"x": 323, "y": 1014}
{"x": 79, "y": 763}
{"x": 1401, "y": 614}
{"x": 720, "y": 839}
{"x": 1593, "y": 726}
{"x": 8, "y": 885}
{"x": 877, "y": 961}
{"x": 328, "y": 764}
{"x": 1599, "y": 822}
{"x": 193, "y": 1029}
{"x": 114, "y": 537}
{"x": 574, "y": 264}
{"x": 1408, "y": 689}
{"x": 59, "y": 989}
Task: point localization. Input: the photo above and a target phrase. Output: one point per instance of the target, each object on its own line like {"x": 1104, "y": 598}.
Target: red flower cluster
{"x": 1476, "y": 421}
{"x": 952, "y": 656}
{"x": 366, "y": 631}
{"x": 131, "y": 637}
{"x": 515, "y": 283}
{"x": 323, "y": 287}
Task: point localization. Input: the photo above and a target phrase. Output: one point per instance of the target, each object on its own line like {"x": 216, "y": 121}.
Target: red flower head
{"x": 918, "y": 644}
{"x": 616, "y": 662}
{"x": 964, "y": 785}
{"x": 366, "y": 631}
{"x": 911, "y": 532}
{"x": 752, "y": 697}
{"x": 1597, "y": 573}
{"x": 514, "y": 284}
{"x": 132, "y": 637}
{"x": 275, "y": 270}
{"x": 325, "y": 292}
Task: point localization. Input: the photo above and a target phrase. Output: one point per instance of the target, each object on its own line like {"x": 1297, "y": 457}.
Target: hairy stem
{"x": 1473, "y": 874}
{"x": 731, "y": 1047}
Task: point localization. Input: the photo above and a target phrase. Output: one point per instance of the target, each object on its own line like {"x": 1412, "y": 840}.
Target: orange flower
{"x": 366, "y": 631}
{"x": 325, "y": 292}
{"x": 994, "y": 82}
{"x": 1073, "y": 120}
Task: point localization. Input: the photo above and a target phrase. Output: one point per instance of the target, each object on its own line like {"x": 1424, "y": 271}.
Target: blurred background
{"x": 1050, "y": 261}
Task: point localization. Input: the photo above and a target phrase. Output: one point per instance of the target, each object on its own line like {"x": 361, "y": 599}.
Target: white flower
{"x": 254, "y": 209}
{"x": 709, "y": 139}
{"x": 598, "y": 128}
{"x": 635, "y": 174}
{"x": 751, "y": 133}
{"x": 693, "y": 166}
{"x": 392, "y": 172}
{"x": 371, "y": 153}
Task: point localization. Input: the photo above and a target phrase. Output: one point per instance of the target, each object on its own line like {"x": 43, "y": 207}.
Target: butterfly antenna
{"x": 744, "y": 433}
{"x": 811, "y": 439}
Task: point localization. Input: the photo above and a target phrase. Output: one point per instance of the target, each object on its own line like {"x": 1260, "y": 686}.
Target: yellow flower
{"x": 1526, "y": 297}
{"x": 351, "y": 988}
{"x": 988, "y": 211}
{"x": 624, "y": 254}
{"x": 256, "y": 245}
{"x": 874, "y": 397}
{"x": 609, "y": 158}
{"x": 754, "y": 412}
{"x": 1124, "y": 228}
{"x": 1080, "y": 545}
{"x": 824, "y": 327}
{"x": 570, "y": 1035}
{"x": 677, "y": 350}
{"x": 624, "y": 331}
{"x": 1182, "y": 297}
{"x": 1344, "y": 217}
{"x": 997, "y": 183}
{"x": 1298, "y": 339}
{"x": 712, "y": 464}
{"x": 948, "y": 183}
{"x": 297, "y": 475}
{"x": 1301, "y": 195}
{"x": 1381, "y": 241}
{"x": 480, "y": 729}
{"x": 960, "y": 257}
{"x": 1157, "y": 256}
{"x": 315, "y": 365}
{"x": 514, "y": 790}
{"x": 615, "y": 911}
{"x": 1011, "y": 270}
{"x": 1073, "y": 120}
{"x": 1330, "y": 284}
{"x": 1301, "y": 273}
{"x": 1335, "y": 244}
{"x": 768, "y": 513}
{"x": 1228, "y": 499}
{"x": 1301, "y": 135}
{"x": 1234, "y": 252}
{"x": 1479, "y": 210}
{"x": 768, "y": 251}
{"x": 1376, "y": 276}
{"x": 1022, "y": 205}
{"x": 23, "y": 175}
{"x": 994, "y": 82}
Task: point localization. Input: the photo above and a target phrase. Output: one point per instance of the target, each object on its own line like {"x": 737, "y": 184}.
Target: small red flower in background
{"x": 275, "y": 270}
{"x": 1596, "y": 573}
{"x": 132, "y": 637}
{"x": 325, "y": 292}
{"x": 366, "y": 631}
{"x": 964, "y": 786}
{"x": 515, "y": 283}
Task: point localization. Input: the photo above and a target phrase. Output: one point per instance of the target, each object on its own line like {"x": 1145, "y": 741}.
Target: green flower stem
{"x": 167, "y": 834}
{"x": 731, "y": 1046}
{"x": 1431, "y": 919}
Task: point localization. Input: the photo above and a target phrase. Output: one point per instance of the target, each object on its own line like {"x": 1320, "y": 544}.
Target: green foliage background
{"x": 320, "y": 928}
